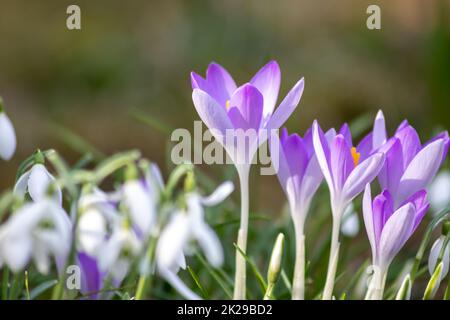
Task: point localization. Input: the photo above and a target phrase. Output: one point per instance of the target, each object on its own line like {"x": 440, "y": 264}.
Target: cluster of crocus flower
{"x": 403, "y": 165}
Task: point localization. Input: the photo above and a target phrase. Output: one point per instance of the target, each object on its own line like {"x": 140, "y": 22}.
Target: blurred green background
{"x": 135, "y": 56}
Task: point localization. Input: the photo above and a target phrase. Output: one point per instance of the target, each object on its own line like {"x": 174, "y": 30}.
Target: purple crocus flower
{"x": 388, "y": 229}
{"x": 410, "y": 165}
{"x": 300, "y": 176}
{"x": 241, "y": 118}
{"x": 346, "y": 177}
{"x": 225, "y": 108}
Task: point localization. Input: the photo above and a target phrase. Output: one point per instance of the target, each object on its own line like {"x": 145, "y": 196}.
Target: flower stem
{"x": 376, "y": 286}
{"x": 269, "y": 291}
{"x": 145, "y": 279}
{"x": 298, "y": 284}
{"x": 334, "y": 256}
{"x": 240, "y": 277}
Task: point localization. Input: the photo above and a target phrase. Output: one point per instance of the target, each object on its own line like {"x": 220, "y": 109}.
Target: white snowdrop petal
{"x": 172, "y": 241}
{"x": 219, "y": 195}
{"x": 210, "y": 244}
{"x": 38, "y": 182}
{"x": 350, "y": 225}
{"x": 91, "y": 231}
{"x": 434, "y": 254}
{"x": 7, "y": 137}
{"x": 21, "y": 186}
{"x": 142, "y": 208}
{"x": 439, "y": 191}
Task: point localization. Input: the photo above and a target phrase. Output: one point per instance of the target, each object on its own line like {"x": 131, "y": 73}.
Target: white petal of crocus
{"x": 267, "y": 81}
{"x": 368, "y": 222}
{"x": 7, "y": 137}
{"x": 396, "y": 232}
{"x": 211, "y": 113}
{"x": 287, "y": 106}
{"x": 219, "y": 195}
{"x": 323, "y": 154}
{"x": 434, "y": 255}
{"x": 379, "y": 131}
{"x": 362, "y": 174}
{"x": 173, "y": 239}
{"x": 21, "y": 186}
{"x": 141, "y": 205}
{"x": 420, "y": 170}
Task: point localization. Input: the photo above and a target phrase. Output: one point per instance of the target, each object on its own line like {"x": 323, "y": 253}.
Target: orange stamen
{"x": 355, "y": 156}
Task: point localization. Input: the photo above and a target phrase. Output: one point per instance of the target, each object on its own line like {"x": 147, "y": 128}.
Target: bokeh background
{"x": 122, "y": 81}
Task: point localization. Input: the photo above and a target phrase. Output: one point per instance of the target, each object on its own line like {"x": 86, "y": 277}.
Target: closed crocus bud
{"x": 275, "y": 260}
{"x": 7, "y": 135}
{"x": 404, "y": 293}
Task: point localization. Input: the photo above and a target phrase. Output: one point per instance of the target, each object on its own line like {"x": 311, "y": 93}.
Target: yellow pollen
{"x": 227, "y": 104}
{"x": 355, "y": 156}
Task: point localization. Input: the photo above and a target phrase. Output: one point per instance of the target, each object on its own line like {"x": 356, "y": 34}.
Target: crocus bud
{"x": 404, "y": 293}
{"x": 275, "y": 260}
{"x": 7, "y": 135}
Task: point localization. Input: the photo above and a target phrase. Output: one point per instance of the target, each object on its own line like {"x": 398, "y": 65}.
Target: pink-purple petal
{"x": 362, "y": 174}
{"x": 341, "y": 161}
{"x": 220, "y": 83}
{"x": 287, "y": 106}
{"x": 268, "y": 80}
{"x": 421, "y": 170}
{"x": 249, "y": 102}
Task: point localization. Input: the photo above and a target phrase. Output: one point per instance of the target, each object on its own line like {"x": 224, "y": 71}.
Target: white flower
{"x": 439, "y": 192}
{"x": 96, "y": 214}
{"x": 183, "y": 227}
{"x": 7, "y": 136}
{"x": 350, "y": 222}
{"x": 36, "y": 182}
{"x": 434, "y": 254}
{"x": 38, "y": 230}
{"x": 118, "y": 251}
{"x": 141, "y": 203}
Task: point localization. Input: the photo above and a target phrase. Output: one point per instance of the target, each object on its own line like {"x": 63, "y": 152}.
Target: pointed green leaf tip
{"x": 404, "y": 293}
{"x": 2, "y": 108}
{"x": 433, "y": 284}
{"x": 275, "y": 260}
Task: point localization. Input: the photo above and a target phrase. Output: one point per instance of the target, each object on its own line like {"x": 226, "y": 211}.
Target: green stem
{"x": 145, "y": 279}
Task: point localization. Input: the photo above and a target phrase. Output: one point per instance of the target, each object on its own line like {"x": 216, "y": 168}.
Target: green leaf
{"x": 254, "y": 269}
{"x": 433, "y": 284}
{"x": 197, "y": 282}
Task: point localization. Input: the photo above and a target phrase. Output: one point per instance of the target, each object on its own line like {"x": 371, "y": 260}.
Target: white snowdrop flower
{"x": 350, "y": 223}
{"x": 439, "y": 191}
{"x": 434, "y": 254}
{"x": 38, "y": 231}
{"x": 183, "y": 227}
{"x": 7, "y": 136}
{"x": 118, "y": 251}
{"x": 141, "y": 203}
{"x": 36, "y": 182}
{"x": 96, "y": 213}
